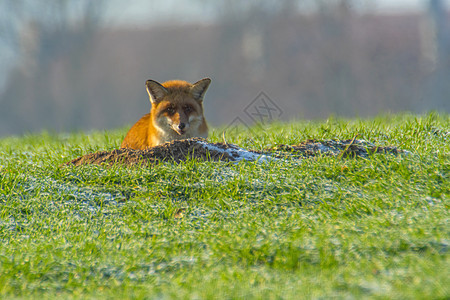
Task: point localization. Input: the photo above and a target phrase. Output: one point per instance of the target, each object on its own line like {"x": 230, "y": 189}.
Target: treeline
{"x": 311, "y": 65}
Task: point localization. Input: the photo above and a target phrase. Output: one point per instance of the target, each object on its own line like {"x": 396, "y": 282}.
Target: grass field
{"x": 323, "y": 227}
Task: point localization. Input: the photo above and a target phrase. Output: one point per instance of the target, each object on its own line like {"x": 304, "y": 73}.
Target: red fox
{"x": 176, "y": 114}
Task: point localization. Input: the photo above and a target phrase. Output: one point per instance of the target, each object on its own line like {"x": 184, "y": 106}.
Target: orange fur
{"x": 176, "y": 114}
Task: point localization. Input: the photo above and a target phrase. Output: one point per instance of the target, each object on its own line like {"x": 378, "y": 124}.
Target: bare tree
{"x": 51, "y": 39}
{"x": 439, "y": 91}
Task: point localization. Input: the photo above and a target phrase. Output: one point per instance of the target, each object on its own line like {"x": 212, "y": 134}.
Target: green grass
{"x": 320, "y": 227}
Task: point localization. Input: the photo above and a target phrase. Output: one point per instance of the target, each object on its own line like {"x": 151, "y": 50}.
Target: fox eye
{"x": 188, "y": 108}
{"x": 170, "y": 110}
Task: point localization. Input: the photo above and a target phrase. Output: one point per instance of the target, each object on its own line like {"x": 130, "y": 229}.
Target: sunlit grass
{"x": 320, "y": 227}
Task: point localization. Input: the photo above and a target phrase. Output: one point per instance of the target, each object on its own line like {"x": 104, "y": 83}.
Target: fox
{"x": 176, "y": 114}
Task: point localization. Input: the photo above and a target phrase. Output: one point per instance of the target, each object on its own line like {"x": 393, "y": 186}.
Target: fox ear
{"x": 155, "y": 91}
{"x": 199, "y": 88}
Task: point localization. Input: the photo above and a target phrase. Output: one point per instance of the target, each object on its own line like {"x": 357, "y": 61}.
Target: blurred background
{"x": 69, "y": 65}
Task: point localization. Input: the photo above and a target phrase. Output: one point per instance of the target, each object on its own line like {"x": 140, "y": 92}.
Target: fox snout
{"x": 180, "y": 128}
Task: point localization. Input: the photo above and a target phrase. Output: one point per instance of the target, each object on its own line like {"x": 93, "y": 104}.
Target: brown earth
{"x": 342, "y": 148}
{"x": 200, "y": 149}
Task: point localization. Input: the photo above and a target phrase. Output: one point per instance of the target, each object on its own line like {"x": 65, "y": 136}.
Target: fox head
{"x": 177, "y": 107}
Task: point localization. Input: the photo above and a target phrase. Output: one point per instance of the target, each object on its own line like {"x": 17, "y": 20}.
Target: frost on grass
{"x": 67, "y": 198}
{"x": 200, "y": 149}
{"x": 86, "y": 198}
{"x": 234, "y": 152}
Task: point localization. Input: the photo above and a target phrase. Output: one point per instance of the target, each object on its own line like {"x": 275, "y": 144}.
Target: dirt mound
{"x": 201, "y": 149}
{"x": 342, "y": 148}
{"x": 173, "y": 151}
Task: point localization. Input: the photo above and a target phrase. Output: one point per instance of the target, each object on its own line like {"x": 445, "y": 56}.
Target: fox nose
{"x": 181, "y": 126}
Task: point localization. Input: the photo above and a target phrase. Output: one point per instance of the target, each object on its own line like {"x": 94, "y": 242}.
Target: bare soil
{"x": 342, "y": 148}
{"x": 200, "y": 149}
